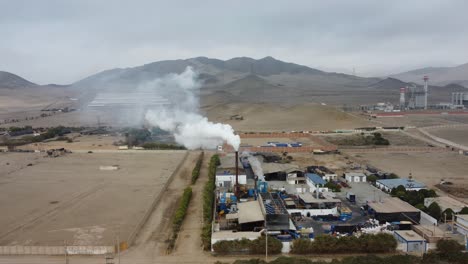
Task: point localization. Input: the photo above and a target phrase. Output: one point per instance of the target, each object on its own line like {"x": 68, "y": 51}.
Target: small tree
{"x": 464, "y": 210}
{"x": 434, "y": 210}
{"x": 446, "y": 246}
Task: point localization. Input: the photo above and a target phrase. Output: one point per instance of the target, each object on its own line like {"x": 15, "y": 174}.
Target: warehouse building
{"x": 389, "y": 184}
{"x": 393, "y": 209}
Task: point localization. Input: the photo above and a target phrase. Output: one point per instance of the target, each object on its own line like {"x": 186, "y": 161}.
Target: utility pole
{"x": 118, "y": 246}
{"x": 66, "y": 252}
{"x": 266, "y": 242}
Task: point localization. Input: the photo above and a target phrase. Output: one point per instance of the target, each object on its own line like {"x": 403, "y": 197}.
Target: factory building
{"x": 460, "y": 99}
{"x": 393, "y": 209}
{"x": 415, "y": 97}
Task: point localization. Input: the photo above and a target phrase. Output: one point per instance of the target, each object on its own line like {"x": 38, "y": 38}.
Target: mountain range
{"x": 269, "y": 80}
{"x": 437, "y": 75}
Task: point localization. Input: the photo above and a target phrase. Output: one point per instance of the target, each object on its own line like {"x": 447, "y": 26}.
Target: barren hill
{"x": 10, "y": 80}
{"x": 437, "y": 75}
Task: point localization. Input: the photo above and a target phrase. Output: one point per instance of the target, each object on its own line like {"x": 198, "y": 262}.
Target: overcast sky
{"x": 64, "y": 41}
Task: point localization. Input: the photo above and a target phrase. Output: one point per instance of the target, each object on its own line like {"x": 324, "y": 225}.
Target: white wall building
{"x": 355, "y": 177}
{"x": 461, "y": 224}
{"x": 229, "y": 181}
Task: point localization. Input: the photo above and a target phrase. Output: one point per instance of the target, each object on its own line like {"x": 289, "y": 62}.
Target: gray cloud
{"x": 62, "y": 41}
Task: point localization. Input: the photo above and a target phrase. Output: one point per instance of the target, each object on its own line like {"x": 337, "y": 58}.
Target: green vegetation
{"x": 196, "y": 170}
{"x": 256, "y": 246}
{"x": 379, "y": 243}
{"x": 464, "y": 210}
{"x": 379, "y": 140}
{"x": 333, "y": 186}
{"x": 360, "y": 140}
{"x": 49, "y": 134}
{"x": 372, "y": 178}
{"x": 416, "y": 199}
{"x": 434, "y": 210}
{"x": 136, "y": 136}
{"x": 18, "y": 129}
{"x": 447, "y": 252}
{"x": 156, "y": 145}
{"x": 208, "y": 202}
{"x": 437, "y": 257}
{"x": 180, "y": 215}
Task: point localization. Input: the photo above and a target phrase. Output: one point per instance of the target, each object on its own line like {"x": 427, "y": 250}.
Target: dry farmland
{"x": 83, "y": 198}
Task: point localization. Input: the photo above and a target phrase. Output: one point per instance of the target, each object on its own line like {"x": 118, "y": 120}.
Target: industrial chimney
{"x": 237, "y": 175}
{"x": 426, "y": 79}
{"x": 402, "y": 98}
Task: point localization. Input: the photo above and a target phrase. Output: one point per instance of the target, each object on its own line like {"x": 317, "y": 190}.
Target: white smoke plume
{"x": 181, "y": 117}
{"x": 256, "y": 165}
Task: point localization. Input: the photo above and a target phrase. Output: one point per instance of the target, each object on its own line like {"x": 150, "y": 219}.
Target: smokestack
{"x": 237, "y": 174}
{"x": 402, "y": 98}
{"x": 426, "y": 79}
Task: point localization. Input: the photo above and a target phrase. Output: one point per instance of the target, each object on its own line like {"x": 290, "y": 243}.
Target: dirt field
{"x": 72, "y": 198}
{"x": 428, "y": 168}
{"x": 80, "y": 142}
{"x": 458, "y": 134}
{"x": 271, "y": 117}
{"x": 423, "y": 120}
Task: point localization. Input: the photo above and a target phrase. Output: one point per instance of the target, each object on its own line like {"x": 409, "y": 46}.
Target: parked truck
{"x": 351, "y": 197}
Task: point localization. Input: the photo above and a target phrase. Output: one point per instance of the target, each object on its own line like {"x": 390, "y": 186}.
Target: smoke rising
{"x": 256, "y": 165}
{"x": 181, "y": 116}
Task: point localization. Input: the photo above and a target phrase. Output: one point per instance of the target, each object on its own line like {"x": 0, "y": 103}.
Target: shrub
{"x": 447, "y": 246}
{"x": 379, "y": 243}
{"x": 256, "y": 246}
{"x": 180, "y": 215}
{"x": 156, "y": 145}
{"x": 196, "y": 170}
{"x": 208, "y": 202}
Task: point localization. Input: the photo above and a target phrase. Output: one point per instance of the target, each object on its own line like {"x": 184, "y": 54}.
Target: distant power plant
{"x": 414, "y": 97}
{"x": 460, "y": 99}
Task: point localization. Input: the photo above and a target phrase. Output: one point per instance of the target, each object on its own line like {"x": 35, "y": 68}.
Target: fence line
{"x": 56, "y": 250}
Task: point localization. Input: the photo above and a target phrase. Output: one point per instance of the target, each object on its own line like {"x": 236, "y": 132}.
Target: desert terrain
{"x": 83, "y": 198}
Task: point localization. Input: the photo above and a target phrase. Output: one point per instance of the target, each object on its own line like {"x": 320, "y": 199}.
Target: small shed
{"x": 410, "y": 241}
{"x": 355, "y": 177}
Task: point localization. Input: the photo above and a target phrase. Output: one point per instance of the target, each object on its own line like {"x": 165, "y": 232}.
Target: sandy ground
{"x": 80, "y": 142}
{"x": 71, "y": 198}
{"x": 458, "y": 134}
{"x": 428, "y": 168}
{"x": 270, "y": 117}
{"x": 423, "y": 120}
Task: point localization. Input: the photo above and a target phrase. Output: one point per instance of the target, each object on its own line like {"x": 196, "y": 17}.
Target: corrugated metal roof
{"x": 392, "y": 205}
{"x": 315, "y": 178}
{"x": 407, "y": 183}
{"x": 250, "y": 212}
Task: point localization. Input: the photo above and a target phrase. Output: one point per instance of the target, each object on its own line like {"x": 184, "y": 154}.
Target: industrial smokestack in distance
{"x": 402, "y": 98}
{"x": 237, "y": 175}
{"x": 426, "y": 79}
